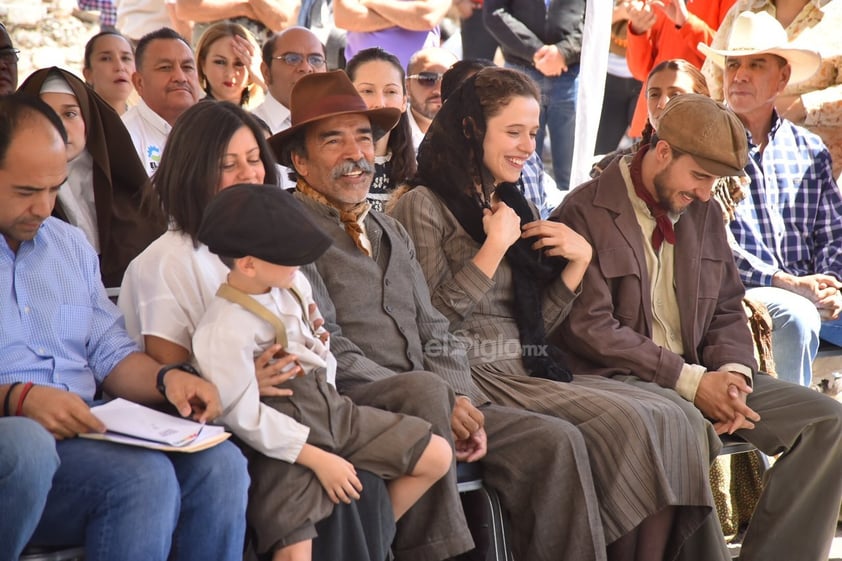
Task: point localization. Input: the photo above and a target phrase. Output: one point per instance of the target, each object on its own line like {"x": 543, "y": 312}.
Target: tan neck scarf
{"x": 350, "y": 218}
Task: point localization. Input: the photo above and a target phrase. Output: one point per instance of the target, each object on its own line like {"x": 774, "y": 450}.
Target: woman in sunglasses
{"x": 506, "y": 280}
{"x": 379, "y": 78}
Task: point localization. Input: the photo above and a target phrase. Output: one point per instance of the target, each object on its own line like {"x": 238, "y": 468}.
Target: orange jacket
{"x": 664, "y": 42}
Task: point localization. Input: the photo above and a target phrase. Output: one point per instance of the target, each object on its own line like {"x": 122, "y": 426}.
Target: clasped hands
{"x": 825, "y": 291}
{"x": 721, "y": 396}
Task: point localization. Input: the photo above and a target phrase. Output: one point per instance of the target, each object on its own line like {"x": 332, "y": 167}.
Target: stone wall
{"x": 48, "y": 33}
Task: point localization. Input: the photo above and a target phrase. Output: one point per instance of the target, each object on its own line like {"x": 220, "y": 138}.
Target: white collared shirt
{"x": 149, "y": 132}
{"x": 417, "y": 133}
{"x": 274, "y": 113}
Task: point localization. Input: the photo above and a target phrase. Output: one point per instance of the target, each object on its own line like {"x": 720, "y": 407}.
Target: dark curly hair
{"x": 451, "y": 154}
{"x": 451, "y": 164}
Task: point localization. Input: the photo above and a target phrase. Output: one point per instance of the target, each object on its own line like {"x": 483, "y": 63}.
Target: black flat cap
{"x": 262, "y": 221}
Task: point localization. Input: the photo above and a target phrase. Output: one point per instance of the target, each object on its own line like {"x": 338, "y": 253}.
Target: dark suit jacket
{"x": 609, "y": 328}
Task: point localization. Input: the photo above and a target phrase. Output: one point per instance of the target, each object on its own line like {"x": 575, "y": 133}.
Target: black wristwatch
{"x": 186, "y": 366}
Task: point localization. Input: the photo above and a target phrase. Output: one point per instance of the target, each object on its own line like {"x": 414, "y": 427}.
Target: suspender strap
{"x": 305, "y": 313}
{"x": 236, "y": 296}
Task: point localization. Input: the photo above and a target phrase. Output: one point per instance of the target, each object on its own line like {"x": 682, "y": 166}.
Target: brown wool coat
{"x": 608, "y": 331}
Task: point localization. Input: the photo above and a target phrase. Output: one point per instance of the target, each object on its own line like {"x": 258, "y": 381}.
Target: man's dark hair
{"x": 18, "y": 108}
{"x": 676, "y": 153}
{"x": 459, "y": 72}
{"x": 295, "y": 144}
{"x": 269, "y": 48}
{"x": 163, "y": 33}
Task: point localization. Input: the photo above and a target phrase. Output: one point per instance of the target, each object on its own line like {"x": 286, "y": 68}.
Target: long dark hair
{"x": 189, "y": 172}
{"x": 451, "y": 164}
{"x": 400, "y": 137}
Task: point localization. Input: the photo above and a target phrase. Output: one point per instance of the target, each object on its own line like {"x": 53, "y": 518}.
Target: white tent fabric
{"x": 594, "y": 62}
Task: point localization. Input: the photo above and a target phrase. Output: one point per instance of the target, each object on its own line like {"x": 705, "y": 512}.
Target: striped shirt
{"x": 57, "y": 326}
{"x": 791, "y": 218}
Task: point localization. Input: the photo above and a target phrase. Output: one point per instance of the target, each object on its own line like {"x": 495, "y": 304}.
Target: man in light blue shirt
{"x": 62, "y": 341}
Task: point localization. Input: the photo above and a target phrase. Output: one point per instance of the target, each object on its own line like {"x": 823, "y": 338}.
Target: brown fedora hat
{"x": 323, "y": 95}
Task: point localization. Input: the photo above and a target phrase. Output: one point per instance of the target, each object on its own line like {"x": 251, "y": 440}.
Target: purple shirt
{"x": 403, "y": 43}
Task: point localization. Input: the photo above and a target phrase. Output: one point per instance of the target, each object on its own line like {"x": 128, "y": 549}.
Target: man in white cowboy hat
{"x": 394, "y": 350}
{"x": 788, "y": 229}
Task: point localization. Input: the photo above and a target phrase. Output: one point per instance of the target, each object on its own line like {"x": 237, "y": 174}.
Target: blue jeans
{"x": 558, "y": 113}
{"x": 28, "y": 461}
{"x": 832, "y": 331}
{"x": 129, "y": 503}
{"x": 795, "y": 332}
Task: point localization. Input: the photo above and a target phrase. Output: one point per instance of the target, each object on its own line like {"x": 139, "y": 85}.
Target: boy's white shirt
{"x": 229, "y": 338}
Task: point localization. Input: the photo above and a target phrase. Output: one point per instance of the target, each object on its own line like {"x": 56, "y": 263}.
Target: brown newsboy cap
{"x": 328, "y": 94}
{"x": 710, "y": 132}
{"x": 262, "y": 221}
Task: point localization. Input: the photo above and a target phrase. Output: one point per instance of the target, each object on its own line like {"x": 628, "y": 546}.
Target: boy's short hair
{"x": 227, "y": 261}
{"x": 261, "y": 221}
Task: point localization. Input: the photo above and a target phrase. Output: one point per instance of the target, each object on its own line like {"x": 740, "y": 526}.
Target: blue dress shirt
{"x": 57, "y": 326}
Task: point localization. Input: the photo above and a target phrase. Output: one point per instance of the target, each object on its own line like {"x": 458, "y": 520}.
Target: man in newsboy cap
{"x": 394, "y": 349}
{"x": 661, "y": 308}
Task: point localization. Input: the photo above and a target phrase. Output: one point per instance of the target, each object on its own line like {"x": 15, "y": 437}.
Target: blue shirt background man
{"x": 61, "y": 340}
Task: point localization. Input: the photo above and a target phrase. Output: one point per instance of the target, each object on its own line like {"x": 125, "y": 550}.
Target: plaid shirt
{"x": 791, "y": 219}
{"x": 106, "y": 8}
{"x": 532, "y": 184}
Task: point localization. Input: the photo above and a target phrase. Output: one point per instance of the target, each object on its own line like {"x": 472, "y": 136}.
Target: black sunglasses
{"x": 426, "y": 79}
{"x": 294, "y": 59}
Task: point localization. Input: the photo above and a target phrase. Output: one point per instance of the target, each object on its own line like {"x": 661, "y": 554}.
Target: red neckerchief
{"x": 663, "y": 225}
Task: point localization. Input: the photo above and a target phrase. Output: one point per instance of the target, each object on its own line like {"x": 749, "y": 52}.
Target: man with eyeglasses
{"x": 8, "y": 63}
{"x": 287, "y": 56}
{"x": 423, "y": 87}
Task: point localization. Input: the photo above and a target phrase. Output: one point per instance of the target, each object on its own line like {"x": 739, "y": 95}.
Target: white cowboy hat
{"x": 760, "y": 33}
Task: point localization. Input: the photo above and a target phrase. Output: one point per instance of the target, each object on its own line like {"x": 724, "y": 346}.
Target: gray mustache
{"x": 348, "y": 167}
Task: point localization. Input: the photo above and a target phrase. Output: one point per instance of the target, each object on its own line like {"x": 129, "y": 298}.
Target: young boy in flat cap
{"x": 307, "y": 444}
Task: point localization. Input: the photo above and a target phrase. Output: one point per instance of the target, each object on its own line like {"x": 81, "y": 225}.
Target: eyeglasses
{"x": 9, "y": 55}
{"x": 426, "y": 79}
{"x": 294, "y": 59}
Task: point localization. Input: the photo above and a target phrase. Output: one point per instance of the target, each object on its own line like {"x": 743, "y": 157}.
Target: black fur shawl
{"x": 531, "y": 273}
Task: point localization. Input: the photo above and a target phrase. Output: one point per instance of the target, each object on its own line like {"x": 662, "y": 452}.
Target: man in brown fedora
{"x": 394, "y": 350}
{"x": 788, "y": 229}
{"x": 661, "y": 308}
